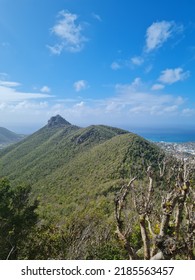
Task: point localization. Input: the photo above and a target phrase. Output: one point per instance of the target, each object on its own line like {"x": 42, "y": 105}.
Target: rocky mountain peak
{"x": 57, "y": 121}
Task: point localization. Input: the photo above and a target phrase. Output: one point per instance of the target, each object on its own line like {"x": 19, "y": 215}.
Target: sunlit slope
{"x": 49, "y": 148}
{"x": 72, "y": 168}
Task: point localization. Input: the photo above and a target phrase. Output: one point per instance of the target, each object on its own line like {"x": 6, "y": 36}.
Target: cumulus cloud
{"x": 56, "y": 49}
{"x": 45, "y": 89}
{"x": 135, "y": 101}
{"x": 10, "y": 93}
{"x": 80, "y": 85}
{"x": 137, "y": 60}
{"x": 170, "y": 76}
{"x": 159, "y": 32}
{"x": 133, "y": 87}
{"x": 131, "y": 104}
{"x": 69, "y": 33}
{"x": 157, "y": 87}
{"x": 137, "y": 82}
{"x": 148, "y": 68}
{"x": 21, "y": 108}
{"x": 188, "y": 112}
{"x": 115, "y": 66}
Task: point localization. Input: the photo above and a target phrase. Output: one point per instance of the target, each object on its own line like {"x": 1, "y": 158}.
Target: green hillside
{"x": 66, "y": 158}
{"x": 75, "y": 173}
{"x": 8, "y": 137}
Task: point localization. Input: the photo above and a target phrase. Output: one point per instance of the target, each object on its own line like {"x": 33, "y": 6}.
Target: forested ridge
{"x": 93, "y": 193}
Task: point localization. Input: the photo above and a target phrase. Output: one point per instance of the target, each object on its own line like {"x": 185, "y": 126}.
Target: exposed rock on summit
{"x": 57, "y": 121}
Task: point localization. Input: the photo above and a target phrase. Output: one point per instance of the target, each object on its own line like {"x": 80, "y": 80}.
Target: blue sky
{"x": 123, "y": 63}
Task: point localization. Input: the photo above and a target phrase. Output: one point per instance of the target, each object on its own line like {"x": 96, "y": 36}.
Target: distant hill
{"x": 8, "y": 137}
{"x": 75, "y": 172}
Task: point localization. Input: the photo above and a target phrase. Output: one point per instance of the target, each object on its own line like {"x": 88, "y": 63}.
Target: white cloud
{"x": 45, "y": 89}
{"x": 115, "y": 66}
{"x": 68, "y": 32}
{"x": 137, "y": 82}
{"x": 171, "y": 108}
{"x": 133, "y": 87}
{"x": 3, "y": 76}
{"x": 131, "y": 104}
{"x": 137, "y": 60}
{"x": 188, "y": 112}
{"x": 21, "y": 108}
{"x": 96, "y": 16}
{"x": 9, "y": 94}
{"x": 159, "y": 32}
{"x": 80, "y": 85}
{"x": 135, "y": 102}
{"x": 26, "y": 105}
{"x": 157, "y": 87}
{"x": 9, "y": 84}
{"x": 148, "y": 68}
{"x": 170, "y": 76}
{"x": 136, "y": 97}
{"x": 79, "y": 105}
{"x": 56, "y": 49}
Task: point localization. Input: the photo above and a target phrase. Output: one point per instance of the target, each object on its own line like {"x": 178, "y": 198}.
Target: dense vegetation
{"x": 75, "y": 174}
{"x": 17, "y": 218}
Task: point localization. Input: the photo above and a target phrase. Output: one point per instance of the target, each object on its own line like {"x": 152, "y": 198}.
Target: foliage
{"x": 45, "y": 242}
{"x": 68, "y": 166}
{"x": 17, "y": 217}
{"x": 75, "y": 173}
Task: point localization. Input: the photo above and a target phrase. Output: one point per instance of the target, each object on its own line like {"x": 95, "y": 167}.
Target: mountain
{"x": 61, "y": 159}
{"x": 8, "y": 137}
{"x": 75, "y": 172}
{"x": 57, "y": 121}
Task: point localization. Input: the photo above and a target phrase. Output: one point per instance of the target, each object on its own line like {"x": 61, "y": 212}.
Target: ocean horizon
{"x": 171, "y": 136}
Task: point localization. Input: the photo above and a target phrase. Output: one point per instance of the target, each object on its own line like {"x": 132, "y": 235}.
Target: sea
{"x": 170, "y": 136}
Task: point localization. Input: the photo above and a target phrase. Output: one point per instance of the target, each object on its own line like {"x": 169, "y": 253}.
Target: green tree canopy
{"x": 17, "y": 217}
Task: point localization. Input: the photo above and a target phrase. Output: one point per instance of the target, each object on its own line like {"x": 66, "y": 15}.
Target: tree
{"x": 167, "y": 228}
{"x": 17, "y": 217}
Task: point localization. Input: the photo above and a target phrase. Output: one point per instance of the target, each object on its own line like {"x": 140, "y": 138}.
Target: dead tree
{"x": 175, "y": 215}
{"x": 122, "y": 234}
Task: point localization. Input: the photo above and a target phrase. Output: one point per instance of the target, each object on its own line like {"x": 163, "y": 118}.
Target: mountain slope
{"x": 94, "y": 175}
{"x": 63, "y": 162}
{"x": 49, "y": 148}
{"x": 75, "y": 173}
{"x": 7, "y": 137}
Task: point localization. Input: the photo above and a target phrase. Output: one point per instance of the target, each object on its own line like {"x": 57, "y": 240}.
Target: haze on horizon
{"x": 130, "y": 66}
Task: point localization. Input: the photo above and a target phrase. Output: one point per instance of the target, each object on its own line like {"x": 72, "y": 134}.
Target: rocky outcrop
{"x": 57, "y": 121}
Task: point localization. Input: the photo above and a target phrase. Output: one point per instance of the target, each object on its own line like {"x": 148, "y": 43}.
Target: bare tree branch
{"x": 176, "y": 232}
{"x": 119, "y": 201}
